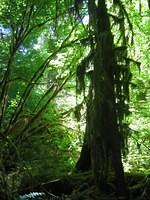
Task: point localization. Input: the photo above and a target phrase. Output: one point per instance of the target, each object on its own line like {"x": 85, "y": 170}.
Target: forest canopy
{"x": 74, "y": 92}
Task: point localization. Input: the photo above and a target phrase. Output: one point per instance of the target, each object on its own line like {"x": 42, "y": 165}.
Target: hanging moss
{"x": 81, "y": 72}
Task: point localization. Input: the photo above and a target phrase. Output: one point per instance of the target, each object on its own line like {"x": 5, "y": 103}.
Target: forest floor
{"x": 81, "y": 187}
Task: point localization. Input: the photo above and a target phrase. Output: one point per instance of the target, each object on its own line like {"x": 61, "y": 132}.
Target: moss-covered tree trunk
{"x": 84, "y": 162}
{"x": 103, "y": 132}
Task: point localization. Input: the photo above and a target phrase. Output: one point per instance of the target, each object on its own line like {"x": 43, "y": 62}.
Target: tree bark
{"x": 84, "y": 162}
{"x": 103, "y": 131}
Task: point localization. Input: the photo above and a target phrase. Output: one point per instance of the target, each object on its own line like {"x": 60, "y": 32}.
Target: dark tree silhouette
{"x": 102, "y": 145}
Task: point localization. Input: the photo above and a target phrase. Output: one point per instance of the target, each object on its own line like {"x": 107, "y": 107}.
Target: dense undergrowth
{"x": 42, "y": 120}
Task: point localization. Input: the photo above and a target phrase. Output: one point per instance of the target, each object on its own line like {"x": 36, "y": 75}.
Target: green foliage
{"x": 139, "y": 142}
{"x": 34, "y": 141}
{"x": 44, "y": 45}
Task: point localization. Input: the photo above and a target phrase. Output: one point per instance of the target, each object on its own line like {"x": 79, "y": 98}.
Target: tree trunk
{"x": 84, "y": 162}
{"x": 103, "y": 131}
{"x": 106, "y": 134}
